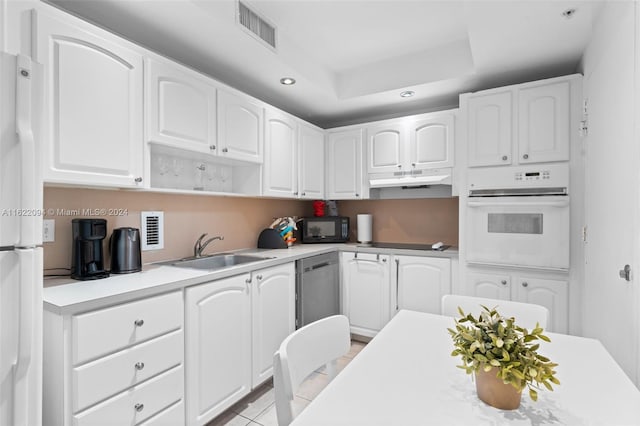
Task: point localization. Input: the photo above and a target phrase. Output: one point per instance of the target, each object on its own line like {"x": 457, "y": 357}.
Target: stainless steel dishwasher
{"x": 317, "y": 288}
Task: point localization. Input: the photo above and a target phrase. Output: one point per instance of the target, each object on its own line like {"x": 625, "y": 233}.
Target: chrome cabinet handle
{"x": 248, "y": 281}
{"x": 138, "y": 179}
{"x": 357, "y": 195}
{"x": 399, "y": 166}
{"x": 525, "y": 156}
{"x": 139, "y": 365}
{"x": 503, "y": 282}
{"x": 504, "y": 158}
{"x": 139, "y": 407}
{"x": 259, "y": 277}
{"x": 304, "y": 193}
{"x": 397, "y": 283}
{"x": 225, "y": 150}
{"x": 525, "y": 284}
{"x": 413, "y": 164}
{"x": 139, "y": 322}
{"x": 212, "y": 147}
{"x": 295, "y": 193}
{"x": 626, "y": 273}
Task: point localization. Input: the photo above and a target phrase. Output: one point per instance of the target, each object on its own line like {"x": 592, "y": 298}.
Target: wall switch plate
{"x": 48, "y": 230}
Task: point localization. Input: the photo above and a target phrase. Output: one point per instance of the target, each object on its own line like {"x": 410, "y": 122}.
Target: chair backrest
{"x": 526, "y": 314}
{"x": 320, "y": 343}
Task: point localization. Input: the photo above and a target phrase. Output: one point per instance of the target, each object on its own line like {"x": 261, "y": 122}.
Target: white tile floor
{"x": 258, "y": 408}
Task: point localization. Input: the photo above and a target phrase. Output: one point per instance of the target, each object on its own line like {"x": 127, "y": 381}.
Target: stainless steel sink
{"x": 215, "y": 261}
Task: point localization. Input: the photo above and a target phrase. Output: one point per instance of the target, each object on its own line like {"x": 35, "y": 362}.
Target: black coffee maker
{"x": 87, "y": 261}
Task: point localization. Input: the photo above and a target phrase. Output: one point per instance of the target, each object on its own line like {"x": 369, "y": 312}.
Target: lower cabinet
{"x": 118, "y": 365}
{"x": 420, "y": 283}
{"x": 550, "y": 292}
{"x": 233, "y": 327}
{"x": 365, "y": 291}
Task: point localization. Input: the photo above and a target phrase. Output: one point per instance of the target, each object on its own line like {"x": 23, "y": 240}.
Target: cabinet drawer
{"x": 107, "y": 376}
{"x": 137, "y": 404}
{"x": 102, "y": 332}
{"x": 171, "y": 416}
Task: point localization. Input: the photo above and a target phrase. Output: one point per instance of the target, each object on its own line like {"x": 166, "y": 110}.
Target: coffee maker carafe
{"x": 87, "y": 262}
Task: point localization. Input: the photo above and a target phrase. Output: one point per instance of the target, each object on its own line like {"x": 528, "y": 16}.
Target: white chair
{"x": 526, "y": 314}
{"x": 320, "y": 343}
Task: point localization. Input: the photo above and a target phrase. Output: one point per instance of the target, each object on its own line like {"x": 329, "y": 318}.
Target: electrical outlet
{"x": 48, "y": 230}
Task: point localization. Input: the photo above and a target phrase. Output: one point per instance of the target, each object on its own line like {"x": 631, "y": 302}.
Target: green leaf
{"x": 545, "y": 338}
{"x": 533, "y": 394}
{"x": 495, "y": 363}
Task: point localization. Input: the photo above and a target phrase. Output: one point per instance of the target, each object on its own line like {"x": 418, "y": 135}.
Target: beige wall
{"x": 239, "y": 220}
{"x": 420, "y": 221}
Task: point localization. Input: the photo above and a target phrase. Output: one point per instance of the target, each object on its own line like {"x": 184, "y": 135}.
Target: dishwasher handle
{"x": 318, "y": 266}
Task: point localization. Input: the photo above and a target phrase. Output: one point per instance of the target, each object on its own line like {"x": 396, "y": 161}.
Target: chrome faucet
{"x": 199, "y": 246}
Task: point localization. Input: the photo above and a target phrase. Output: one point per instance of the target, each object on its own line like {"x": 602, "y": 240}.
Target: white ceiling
{"x": 352, "y": 58}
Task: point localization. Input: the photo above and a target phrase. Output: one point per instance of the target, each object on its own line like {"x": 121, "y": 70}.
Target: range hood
{"x": 411, "y": 179}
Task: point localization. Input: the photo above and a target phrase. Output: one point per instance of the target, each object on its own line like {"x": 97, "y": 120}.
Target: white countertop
{"x": 68, "y": 296}
{"x": 406, "y": 376}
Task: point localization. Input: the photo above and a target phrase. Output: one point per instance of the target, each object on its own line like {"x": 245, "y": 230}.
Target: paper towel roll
{"x": 365, "y": 225}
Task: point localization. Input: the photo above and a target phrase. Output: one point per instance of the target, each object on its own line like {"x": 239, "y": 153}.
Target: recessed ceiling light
{"x": 569, "y": 13}
{"x": 407, "y": 93}
{"x": 287, "y": 81}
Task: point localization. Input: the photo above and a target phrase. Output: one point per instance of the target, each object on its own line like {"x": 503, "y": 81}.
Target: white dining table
{"x": 406, "y": 376}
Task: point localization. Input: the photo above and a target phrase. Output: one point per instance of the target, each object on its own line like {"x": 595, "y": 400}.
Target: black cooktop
{"x": 405, "y": 246}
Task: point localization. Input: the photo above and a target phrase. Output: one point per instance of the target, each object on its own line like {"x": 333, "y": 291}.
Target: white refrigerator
{"x": 20, "y": 242}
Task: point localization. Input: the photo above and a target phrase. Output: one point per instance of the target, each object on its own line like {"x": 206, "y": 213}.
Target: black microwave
{"x": 325, "y": 229}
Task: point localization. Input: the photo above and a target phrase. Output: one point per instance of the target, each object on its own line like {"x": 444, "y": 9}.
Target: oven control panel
{"x": 514, "y": 177}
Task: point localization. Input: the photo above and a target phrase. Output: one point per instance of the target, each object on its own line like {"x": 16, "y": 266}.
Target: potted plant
{"x": 503, "y": 357}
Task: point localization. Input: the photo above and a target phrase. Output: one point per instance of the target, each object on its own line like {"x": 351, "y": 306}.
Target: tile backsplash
{"x": 238, "y": 219}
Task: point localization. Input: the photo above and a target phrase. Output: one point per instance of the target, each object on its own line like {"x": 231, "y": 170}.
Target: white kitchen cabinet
{"x": 311, "y": 161}
{"x": 386, "y": 146}
{"x": 218, "y": 346}
{"x": 527, "y": 123}
{"x": 551, "y": 292}
{"x": 431, "y": 141}
{"x": 180, "y": 106}
{"x": 280, "y": 163}
{"x": 233, "y": 327}
{"x": 411, "y": 143}
{"x": 344, "y": 164}
{"x": 490, "y": 129}
{"x": 130, "y": 374}
{"x": 543, "y": 123}
{"x": 421, "y": 282}
{"x": 240, "y": 127}
{"x": 93, "y": 115}
{"x": 273, "y": 316}
{"x": 365, "y": 291}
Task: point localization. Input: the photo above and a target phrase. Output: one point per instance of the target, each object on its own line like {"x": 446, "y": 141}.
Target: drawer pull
{"x": 139, "y": 407}
{"x": 139, "y": 365}
{"x": 139, "y": 323}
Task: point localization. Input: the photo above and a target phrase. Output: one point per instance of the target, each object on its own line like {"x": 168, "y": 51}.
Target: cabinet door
{"x": 280, "y": 163}
{"x": 218, "y": 346}
{"x": 93, "y": 105}
{"x": 273, "y": 301}
{"x": 543, "y": 123}
{"x": 240, "y": 127}
{"x": 421, "y": 282}
{"x": 490, "y": 129}
{"x": 493, "y": 286}
{"x": 365, "y": 281}
{"x": 552, "y": 294}
{"x": 386, "y": 145}
{"x": 311, "y": 162}
{"x": 180, "y": 107}
{"x": 431, "y": 142}
{"x": 344, "y": 157}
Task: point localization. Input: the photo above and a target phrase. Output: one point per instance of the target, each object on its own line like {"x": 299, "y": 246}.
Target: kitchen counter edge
{"x": 64, "y": 296}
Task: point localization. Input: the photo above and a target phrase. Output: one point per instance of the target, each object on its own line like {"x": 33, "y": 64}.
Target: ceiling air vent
{"x": 152, "y": 230}
{"x": 256, "y": 25}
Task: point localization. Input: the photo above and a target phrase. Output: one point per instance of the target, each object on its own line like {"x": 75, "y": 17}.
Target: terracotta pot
{"x": 494, "y": 392}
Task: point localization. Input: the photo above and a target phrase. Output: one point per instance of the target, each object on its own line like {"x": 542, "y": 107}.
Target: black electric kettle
{"x": 125, "y": 251}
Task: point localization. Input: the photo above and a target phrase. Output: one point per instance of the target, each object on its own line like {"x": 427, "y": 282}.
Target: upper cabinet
{"x": 523, "y": 124}
{"x": 240, "y": 127}
{"x": 311, "y": 162}
{"x": 180, "y": 105}
{"x": 344, "y": 164}
{"x": 93, "y": 104}
{"x": 411, "y": 143}
{"x": 280, "y": 165}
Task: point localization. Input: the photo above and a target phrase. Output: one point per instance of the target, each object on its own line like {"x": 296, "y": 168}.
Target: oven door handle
{"x": 560, "y": 203}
